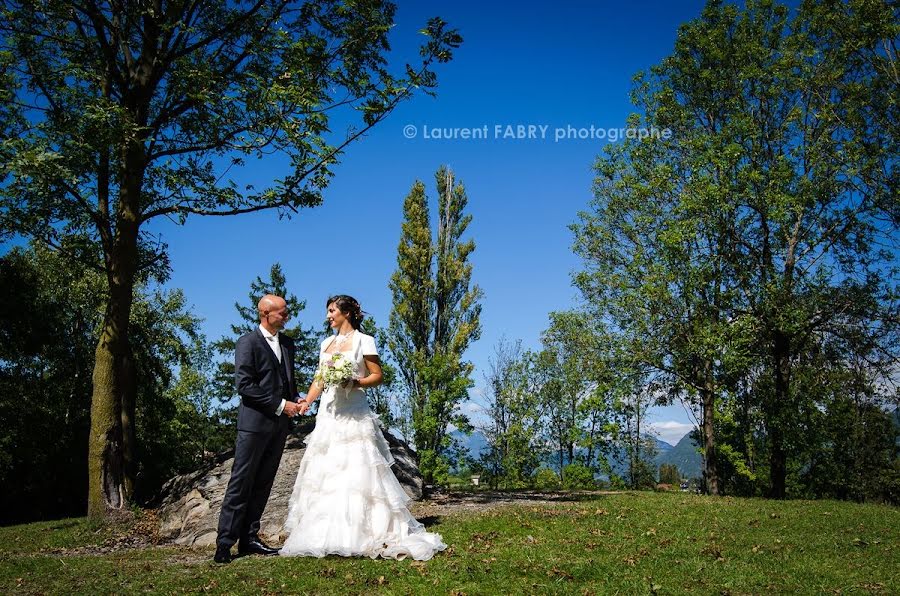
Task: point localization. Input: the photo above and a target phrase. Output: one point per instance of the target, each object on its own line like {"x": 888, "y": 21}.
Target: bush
{"x": 616, "y": 482}
{"x": 576, "y": 476}
{"x": 546, "y": 479}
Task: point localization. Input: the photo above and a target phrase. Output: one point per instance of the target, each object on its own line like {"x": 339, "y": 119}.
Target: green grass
{"x": 628, "y": 543}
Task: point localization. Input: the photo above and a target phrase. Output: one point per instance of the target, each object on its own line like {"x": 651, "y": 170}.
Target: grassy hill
{"x": 633, "y": 543}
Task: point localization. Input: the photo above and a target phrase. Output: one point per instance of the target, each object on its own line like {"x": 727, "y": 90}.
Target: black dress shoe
{"x": 255, "y": 546}
{"x": 223, "y": 554}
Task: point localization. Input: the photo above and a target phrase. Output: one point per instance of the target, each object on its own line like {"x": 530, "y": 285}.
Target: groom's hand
{"x": 291, "y": 408}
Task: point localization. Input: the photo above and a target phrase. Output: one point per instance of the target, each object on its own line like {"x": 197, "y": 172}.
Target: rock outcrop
{"x": 188, "y": 505}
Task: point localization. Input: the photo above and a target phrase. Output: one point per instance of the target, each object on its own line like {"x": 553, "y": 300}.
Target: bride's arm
{"x": 312, "y": 394}
{"x": 375, "y": 376}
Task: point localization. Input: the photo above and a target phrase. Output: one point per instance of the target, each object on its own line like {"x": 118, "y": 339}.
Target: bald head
{"x": 273, "y": 313}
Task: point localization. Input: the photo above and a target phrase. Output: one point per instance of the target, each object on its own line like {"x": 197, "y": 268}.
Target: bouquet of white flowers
{"x": 335, "y": 371}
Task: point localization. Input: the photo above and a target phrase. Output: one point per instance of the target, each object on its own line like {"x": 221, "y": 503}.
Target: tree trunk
{"x": 710, "y": 467}
{"x": 107, "y": 485}
{"x": 780, "y": 401}
{"x": 113, "y": 398}
{"x": 105, "y": 462}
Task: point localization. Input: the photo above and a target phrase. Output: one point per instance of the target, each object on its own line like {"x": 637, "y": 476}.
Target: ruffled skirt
{"x": 346, "y": 501}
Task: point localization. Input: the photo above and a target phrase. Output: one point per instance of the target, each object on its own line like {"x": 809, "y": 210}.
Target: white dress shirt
{"x": 273, "y": 342}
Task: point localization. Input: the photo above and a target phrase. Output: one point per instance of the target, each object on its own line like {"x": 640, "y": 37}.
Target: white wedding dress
{"x": 346, "y": 501}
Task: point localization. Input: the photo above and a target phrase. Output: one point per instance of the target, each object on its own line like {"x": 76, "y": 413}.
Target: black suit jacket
{"x": 262, "y": 381}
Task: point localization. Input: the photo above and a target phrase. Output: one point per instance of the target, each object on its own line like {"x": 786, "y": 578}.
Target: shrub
{"x": 577, "y": 476}
{"x": 546, "y": 479}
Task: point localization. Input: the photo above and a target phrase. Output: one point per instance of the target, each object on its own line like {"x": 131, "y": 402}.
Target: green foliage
{"x": 49, "y": 320}
{"x": 48, "y": 317}
{"x": 208, "y": 79}
{"x": 576, "y": 387}
{"x": 434, "y": 318}
{"x": 125, "y": 113}
{"x": 669, "y": 474}
{"x": 616, "y": 482}
{"x": 514, "y": 420}
{"x": 577, "y": 476}
{"x": 547, "y": 479}
{"x": 747, "y": 263}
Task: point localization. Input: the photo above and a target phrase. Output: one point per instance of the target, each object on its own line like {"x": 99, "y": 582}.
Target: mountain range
{"x": 683, "y": 455}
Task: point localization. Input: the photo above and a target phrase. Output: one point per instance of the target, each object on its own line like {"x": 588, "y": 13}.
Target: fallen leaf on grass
{"x": 713, "y": 550}
{"x": 379, "y": 581}
{"x": 557, "y": 572}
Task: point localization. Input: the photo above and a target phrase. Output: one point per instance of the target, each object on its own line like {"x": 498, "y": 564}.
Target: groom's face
{"x": 278, "y": 316}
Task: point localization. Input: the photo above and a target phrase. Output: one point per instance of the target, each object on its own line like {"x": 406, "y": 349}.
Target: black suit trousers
{"x": 256, "y": 459}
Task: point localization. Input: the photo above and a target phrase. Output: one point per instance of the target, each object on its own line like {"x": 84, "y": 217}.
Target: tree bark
{"x": 710, "y": 462}
{"x": 107, "y": 486}
{"x": 113, "y": 401}
{"x": 781, "y": 397}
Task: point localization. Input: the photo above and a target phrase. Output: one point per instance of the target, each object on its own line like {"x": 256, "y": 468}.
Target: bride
{"x": 346, "y": 501}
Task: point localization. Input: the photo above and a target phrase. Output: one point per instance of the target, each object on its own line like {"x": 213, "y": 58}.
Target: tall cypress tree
{"x": 435, "y": 316}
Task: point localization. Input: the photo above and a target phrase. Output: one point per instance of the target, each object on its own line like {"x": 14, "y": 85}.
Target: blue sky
{"x": 569, "y": 64}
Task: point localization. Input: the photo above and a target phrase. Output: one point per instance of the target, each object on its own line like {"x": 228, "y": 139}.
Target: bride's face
{"x": 335, "y": 317}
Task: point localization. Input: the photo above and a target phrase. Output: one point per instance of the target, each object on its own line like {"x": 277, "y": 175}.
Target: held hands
{"x": 292, "y": 409}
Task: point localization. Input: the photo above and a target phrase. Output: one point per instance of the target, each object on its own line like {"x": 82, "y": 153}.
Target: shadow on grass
{"x": 429, "y": 520}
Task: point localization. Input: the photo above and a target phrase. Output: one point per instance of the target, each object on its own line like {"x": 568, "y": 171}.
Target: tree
{"x": 668, "y": 474}
{"x": 513, "y": 427}
{"x": 573, "y": 371}
{"x": 727, "y": 253}
{"x": 126, "y": 112}
{"x": 50, "y": 317}
{"x": 435, "y": 316}
{"x": 639, "y": 447}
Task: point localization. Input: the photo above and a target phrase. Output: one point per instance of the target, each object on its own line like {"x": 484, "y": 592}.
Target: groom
{"x": 264, "y": 376}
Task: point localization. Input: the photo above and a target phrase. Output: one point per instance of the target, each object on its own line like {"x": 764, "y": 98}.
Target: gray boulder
{"x": 188, "y": 505}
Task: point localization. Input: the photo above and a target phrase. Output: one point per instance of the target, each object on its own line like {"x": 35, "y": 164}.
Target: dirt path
{"x": 443, "y": 503}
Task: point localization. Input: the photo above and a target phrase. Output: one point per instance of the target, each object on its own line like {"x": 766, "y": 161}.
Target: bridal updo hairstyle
{"x": 350, "y": 307}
